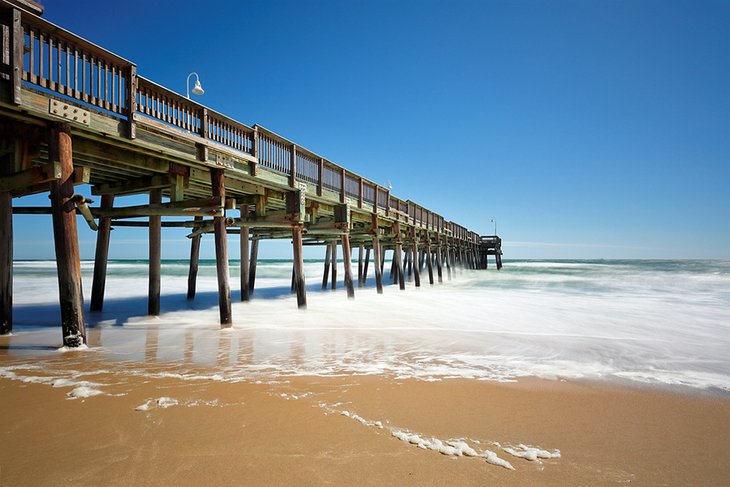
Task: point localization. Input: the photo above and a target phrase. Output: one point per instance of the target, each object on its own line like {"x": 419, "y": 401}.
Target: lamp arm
{"x": 187, "y": 83}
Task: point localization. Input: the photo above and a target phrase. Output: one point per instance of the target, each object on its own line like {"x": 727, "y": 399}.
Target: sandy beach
{"x": 156, "y": 427}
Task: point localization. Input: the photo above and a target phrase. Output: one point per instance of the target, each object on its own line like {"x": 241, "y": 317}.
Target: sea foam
{"x": 656, "y": 322}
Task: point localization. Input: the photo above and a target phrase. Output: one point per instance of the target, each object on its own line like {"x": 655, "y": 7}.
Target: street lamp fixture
{"x": 197, "y": 89}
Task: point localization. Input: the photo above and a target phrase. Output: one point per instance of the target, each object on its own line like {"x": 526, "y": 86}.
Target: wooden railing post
{"x": 293, "y": 167}
{"x": 203, "y": 132}
{"x": 132, "y": 83}
{"x": 343, "y": 180}
{"x": 253, "y": 165}
{"x": 16, "y": 55}
{"x": 359, "y": 196}
{"x": 320, "y": 179}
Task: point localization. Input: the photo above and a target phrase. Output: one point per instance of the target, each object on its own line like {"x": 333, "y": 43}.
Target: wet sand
{"x": 291, "y": 431}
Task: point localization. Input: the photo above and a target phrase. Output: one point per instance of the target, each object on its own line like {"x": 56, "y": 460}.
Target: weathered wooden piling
{"x": 6, "y": 262}
{"x": 68, "y": 262}
{"x": 394, "y": 268}
{"x": 377, "y": 264}
{"x": 429, "y": 261}
{"x": 326, "y": 273}
{"x": 347, "y": 255}
{"x": 299, "y": 282}
{"x": 334, "y": 264}
{"x": 416, "y": 271}
{"x": 439, "y": 270}
{"x": 408, "y": 267}
{"x": 154, "y": 258}
{"x": 360, "y": 252}
{"x": 365, "y": 269}
{"x": 399, "y": 257}
{"x": 253, "y": 261}
{"x": 101, "y": 256}
{"x": 221, "y": 251}
{"x": 194, "y": 260}
{"x": 245, "y": 263}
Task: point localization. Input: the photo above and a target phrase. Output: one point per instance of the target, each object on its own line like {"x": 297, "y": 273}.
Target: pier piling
{"x": 221, "y": 251}
{"x": 377, "y": 265}
{"x": 6, "y": 263}
{"x": 334, "y": 264}
{"x": 245, "y": 249}
{"x": 155, "y": 242}
{"x": 347, "y": 255}
{"x": 365, "y": 268}
{"x": 326, "y": 273}
{"x": 299, "y": 282}
{"x": 416, "y": 271}
{"x": 194, "y": 257}
{"x": 253, "y": 261}
{"x": 101, "y": 256}
{"x": 68, "y": 262}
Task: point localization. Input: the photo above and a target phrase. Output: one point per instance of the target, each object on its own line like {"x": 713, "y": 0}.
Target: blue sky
{"x": 588, "y": 129}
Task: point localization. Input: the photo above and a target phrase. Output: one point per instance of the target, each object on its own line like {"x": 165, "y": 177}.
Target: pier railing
{"x": 43, "y": 56}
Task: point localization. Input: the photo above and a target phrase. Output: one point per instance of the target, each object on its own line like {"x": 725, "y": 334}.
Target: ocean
{"x": 661, "y": 323}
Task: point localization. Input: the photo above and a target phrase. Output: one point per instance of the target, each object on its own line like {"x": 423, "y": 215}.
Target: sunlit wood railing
{"x": 39, "y": 55}
{"x": 61, "y": 62}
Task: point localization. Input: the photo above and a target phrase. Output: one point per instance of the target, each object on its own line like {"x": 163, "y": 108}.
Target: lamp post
{"x": 197, "y": 89}
{"x": 494, "y": 220}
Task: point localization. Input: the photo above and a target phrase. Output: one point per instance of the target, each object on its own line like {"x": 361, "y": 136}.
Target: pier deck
{"x": 75, "y": 114}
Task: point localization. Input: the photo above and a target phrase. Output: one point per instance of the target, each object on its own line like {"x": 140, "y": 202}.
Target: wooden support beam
{"x": 438, "y": 263}
{"x": 360, "y": 252}
{"x": 299, "y": 283}
{"x": 347, "y": 254}
{"x": 377, "y": 264}
{"x": 155, "y": 256}
{"x": 393, "y": 266}
{"x": 429, "y": 261}
{"x": 68, "y": 262}
{"x": 399, "y": 256}
{"x": 134, "y": 186}
{"x": 194, "y": 259}
{"x": 296, "y": 210}
{"x": 101, "y": 257}
{"x": 334, "y": 264}
{"x": 326, "y": 274}
{"x": 245, "y": 267}
{"x": 408, "y": 265}
{"x": 447, "y": 259}
{"x": 253, "y": 261}
{"x": 217, "y": 179}
{"x": 19, "y": 181}
{"x": 414, "y": 263}
{"x": 195, "y": 207}
{"x": 365, "y": 269}
{"x": 6, "y": 263}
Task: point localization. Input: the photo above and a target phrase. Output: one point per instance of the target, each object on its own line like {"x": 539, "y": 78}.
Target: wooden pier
{"x": 74, "y": 114}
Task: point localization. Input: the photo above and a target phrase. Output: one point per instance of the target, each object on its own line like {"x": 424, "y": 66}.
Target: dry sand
{"x": 290, "y": 431}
